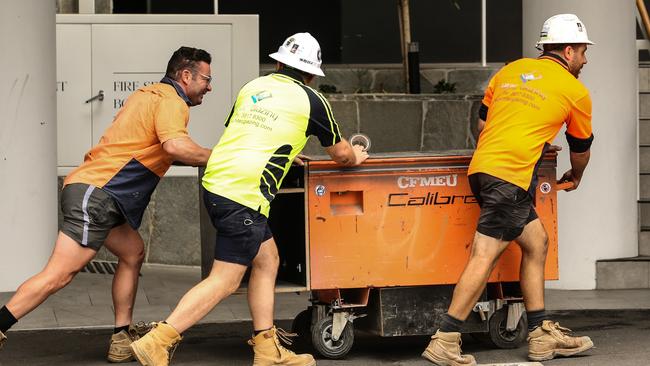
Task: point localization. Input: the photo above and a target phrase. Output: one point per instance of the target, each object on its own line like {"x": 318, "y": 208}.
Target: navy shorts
{"x": 240, "y": 229}
{"x": 505, "y": 208}
{"x": 89, "y": 214}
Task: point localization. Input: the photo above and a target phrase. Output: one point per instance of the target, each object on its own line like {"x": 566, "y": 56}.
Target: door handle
{"x": 99, "y": 97}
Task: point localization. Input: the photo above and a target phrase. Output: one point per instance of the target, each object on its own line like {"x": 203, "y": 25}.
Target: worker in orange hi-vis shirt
{"x": 525, "y": 105}
{"x": 103, "y": 200}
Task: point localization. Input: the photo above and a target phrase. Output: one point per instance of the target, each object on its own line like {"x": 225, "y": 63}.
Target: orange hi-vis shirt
{"x": 129, "y": 159}
{"x": 528, "y": 101}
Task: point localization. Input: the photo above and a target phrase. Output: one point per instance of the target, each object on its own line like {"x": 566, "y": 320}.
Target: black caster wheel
{"x": 321, "y": 337}
{"x": 502, "y": 337}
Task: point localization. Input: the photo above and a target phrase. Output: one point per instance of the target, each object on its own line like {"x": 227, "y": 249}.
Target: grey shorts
{"x": 89, "y": 214}
{"x": 505, "y": 208}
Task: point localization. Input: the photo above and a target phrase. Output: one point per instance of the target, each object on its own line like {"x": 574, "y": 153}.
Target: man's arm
{"x": 186, "y": 151}
{"x": 480, "y": 125}
{"x": 345, "y": 154}
{"x": 579, "y": 161}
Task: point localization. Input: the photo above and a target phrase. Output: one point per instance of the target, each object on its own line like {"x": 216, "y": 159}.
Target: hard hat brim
{"x": 540, "y": 43}
{"x": 290, "y": 61}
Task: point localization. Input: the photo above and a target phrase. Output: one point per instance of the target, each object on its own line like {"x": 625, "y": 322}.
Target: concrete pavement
{"x": 621, "y": 339}
{"x": 86, "y": 302}
{"x": 74, "y": 326}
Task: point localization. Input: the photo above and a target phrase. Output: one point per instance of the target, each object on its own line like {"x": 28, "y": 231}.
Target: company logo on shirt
{"x": 526, "y": 77}
{"x": 261, "y": 96}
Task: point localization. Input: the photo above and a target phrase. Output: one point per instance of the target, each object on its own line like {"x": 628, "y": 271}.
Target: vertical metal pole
{"x": 483, "y": 33}
{"x": 405, "y": 22}
{"x": 414, "y": 68}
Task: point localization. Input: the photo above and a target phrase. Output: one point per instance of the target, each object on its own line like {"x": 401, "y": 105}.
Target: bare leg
{"x": 261, "y": 286}
{"x": 485, "y": 252}
{"x": 67, "y": 259}
{"x": 534, "y": 244}
{"x": 223, "y": 280}
{"x": 127, "y": 245}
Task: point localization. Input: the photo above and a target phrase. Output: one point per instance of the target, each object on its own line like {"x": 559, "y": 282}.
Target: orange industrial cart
{"x": 381, "y": 245}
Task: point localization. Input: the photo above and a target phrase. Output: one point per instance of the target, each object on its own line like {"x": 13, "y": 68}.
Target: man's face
{"x": 198, "y": 82}
{"x": 576, "y": 58}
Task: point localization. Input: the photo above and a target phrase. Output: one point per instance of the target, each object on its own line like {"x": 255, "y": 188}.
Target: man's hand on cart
{"x": 300, "y": 159}
{"x": 568, "y": 182}
{"x": 554, "y": 148}
{"x": 360, "y": 154}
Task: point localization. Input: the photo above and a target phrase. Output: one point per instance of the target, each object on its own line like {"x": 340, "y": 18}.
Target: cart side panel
{"x": 403, "y": 222}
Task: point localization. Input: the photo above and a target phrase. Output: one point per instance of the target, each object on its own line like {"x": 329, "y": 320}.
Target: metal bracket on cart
{"x": 484, "y": 309}
{"x": 340, "y": 319}
{"x": 515, "y": 312}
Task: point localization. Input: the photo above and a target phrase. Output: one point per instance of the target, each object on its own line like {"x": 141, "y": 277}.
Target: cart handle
{"x": 564, "y": 186}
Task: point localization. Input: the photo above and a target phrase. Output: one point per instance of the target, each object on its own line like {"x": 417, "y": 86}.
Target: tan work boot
{"x": 157, "y": 347}
{"x": 119, "y": 350}
{"x": 444, "y": 350}
{"x": 550, "y": 340}
{"x": 3, "y": 338}
{"x": 269, "y": 351}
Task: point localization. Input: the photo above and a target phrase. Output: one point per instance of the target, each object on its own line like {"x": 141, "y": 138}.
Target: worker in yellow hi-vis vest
{"x": 269, "y": 125}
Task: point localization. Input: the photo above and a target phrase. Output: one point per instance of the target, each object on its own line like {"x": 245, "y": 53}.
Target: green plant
{"x": 328, "y": 89}
{"x": 444, "y": 87}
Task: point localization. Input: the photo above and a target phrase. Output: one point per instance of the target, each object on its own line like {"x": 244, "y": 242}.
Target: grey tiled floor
{"x": 86, "y": 302}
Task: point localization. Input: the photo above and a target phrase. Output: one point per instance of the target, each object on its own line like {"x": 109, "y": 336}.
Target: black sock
{"x": 119, "y": 329}
{"x": 535, "y": 318}
{"x": 450, "y": 324}
{"x": 256, "y": 332}
{"x": 7, "y": 319}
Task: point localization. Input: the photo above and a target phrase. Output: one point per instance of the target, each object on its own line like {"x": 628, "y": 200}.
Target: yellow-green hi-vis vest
{"x": 269, "y": 125}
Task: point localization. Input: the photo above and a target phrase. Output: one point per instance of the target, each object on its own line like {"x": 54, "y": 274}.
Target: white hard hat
{"x": 300, "y": 51}
{"x": 563, "y": 28}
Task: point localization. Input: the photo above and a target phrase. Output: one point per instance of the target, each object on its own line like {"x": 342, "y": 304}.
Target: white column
{"x": 599, "y": 220}
{"x": 28, "y": 208}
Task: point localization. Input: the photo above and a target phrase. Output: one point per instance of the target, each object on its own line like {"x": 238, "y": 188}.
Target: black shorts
{"x": 89, "y": 214}
{"x": 505, "y": 208}
{"x": 240, "y": 229}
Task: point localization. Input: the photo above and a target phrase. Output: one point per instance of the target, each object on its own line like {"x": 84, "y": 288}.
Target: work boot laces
{"x": 285, "y": 337}
{"x": 171, "y": 351}
{"x": 560, "y": 330}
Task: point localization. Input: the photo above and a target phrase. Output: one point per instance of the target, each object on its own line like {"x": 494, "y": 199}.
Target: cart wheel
{"x": 302, "y": 326}
{"x": 321, "y": 337}
{"x": 503, "y": 338}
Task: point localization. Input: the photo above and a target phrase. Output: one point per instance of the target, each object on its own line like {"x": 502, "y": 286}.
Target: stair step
{"x": 644, "y": 241}
{"x": 640, "y": 258}
{"x": 623, "y": 273}
{"x": 644, "y": 130}
{"x": 644, "y": 158}
{"x": 644, "y": 102}
{"x": 644, "y": 213}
